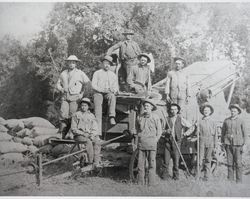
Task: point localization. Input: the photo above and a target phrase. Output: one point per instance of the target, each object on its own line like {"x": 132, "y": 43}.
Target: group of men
{"x": 86, "y": 126}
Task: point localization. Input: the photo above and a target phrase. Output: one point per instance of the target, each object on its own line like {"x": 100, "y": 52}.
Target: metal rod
{"x": 111, "y": 140}
{"x": 230, "y": 94}
{"x": 61, "y": 158}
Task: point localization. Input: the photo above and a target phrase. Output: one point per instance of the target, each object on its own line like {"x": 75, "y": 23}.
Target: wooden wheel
{"x": 133, "y": 166}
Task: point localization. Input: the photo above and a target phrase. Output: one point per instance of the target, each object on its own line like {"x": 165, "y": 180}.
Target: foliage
{"x": 198, "y": 32}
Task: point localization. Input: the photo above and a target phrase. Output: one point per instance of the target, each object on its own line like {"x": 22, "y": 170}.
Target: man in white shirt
{"x": 70, "y": 83}
{"x": 177, "y": 88}
{"x": 105, "y": 85}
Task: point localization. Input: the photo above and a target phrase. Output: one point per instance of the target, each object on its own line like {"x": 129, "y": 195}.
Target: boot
{"x": 165, "y": 174}
{"x": 63, "y": 129}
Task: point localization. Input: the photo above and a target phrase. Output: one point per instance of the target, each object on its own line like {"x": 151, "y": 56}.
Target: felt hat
{"x": 87, "y": 101}
{"x": 144, "y": 55}
{"x": 72, "y": 58}
{"x": 108, "y": 58}
{"x": 206, "y": 105}
{"x": 150, "y": 101}
{"x": 180, "y": 58}
{"x": 178, "y": 107}
{"x": 235, "y": 106}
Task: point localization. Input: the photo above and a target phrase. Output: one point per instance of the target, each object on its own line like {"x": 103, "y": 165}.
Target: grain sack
{"x": 10, "y": 158}
{"x": 37, "y": 121}
{"x": 37, "y": 131}
{"x": 17, "y": 139}
{"x": 14, "y": 124}
{"x": 42, "y": 140}
{"x": 62, "y": 149}
{"x": 12, "y": 147}
{"x": 46, "y": 148}
{"x": 2, "y": 121}
{"x": 23, "y": 133}
{"x": 27, "y": 141}
{"x": 3, "y": 129}
{"x": 4, "y": 137}
{"x": 33, "y": 149}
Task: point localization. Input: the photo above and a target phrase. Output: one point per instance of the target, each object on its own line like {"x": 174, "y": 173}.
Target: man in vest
{"x": 149, "y": 132}
{"x": 177, "y": 88}
{"x": 70, "y": 83}
{"x": 233, "y": 136}
{"x": 174, "y": 131}
{"x": 139, "y": 76}
{"x": 128, "y": 52}
{"x": 105, "y": 85}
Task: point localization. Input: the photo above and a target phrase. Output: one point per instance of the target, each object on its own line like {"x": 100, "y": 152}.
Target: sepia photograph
{"x": 126, "y": 99}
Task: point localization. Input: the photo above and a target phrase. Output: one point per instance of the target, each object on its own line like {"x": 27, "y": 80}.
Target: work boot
{"x": 112, "y": 121}
{"x": 165, "y": 174}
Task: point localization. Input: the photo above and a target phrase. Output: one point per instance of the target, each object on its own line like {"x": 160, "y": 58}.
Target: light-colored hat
{"x": 235, "y": 106}
{"x": 206, "y": 105}
{"x": 72, "y": 58}
{"x": 180, "y": 58}
{"x": 128, "y": 32}
{"x": 87, "y": 101}
{"x": 144, "y": 55}
{"x": 108, "y": 58}
{"x": 150, "y": 101}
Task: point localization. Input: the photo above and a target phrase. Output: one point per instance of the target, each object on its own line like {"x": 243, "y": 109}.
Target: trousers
{"x": 171, "y": 151}
{"x": 234, "y": 162}
{"x": 205, "y": 157}
{"x": 98, "y": 103}
{"x": 93, "y": 148}
{"x": 146, "y": 159}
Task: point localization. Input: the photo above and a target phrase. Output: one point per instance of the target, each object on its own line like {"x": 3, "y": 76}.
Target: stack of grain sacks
{"x": 22, "y": 136}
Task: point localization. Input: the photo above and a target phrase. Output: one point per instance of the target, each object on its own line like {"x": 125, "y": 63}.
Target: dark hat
{"x": 206, "y": 105}
{"x": 87, "y": 101}
{"x": 180, "y": 58}
{"x": 150, "y": 101}
{"x": 144, "y": 55}
{"x": 108, "y": 58}
{"x": 128, "y": 32}
{"x": 72, "y": 58}
{"x": 235, "y": 106}
{"x": 174, "y": 104}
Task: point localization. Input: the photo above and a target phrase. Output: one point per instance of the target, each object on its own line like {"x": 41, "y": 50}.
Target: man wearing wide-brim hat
{"x": 105, "y": 85}
{"x": 177, "y": 84}
{"x": 85, "y": 128}
{"x": 149, "y": 132}
{"x": 233, "y": 136}
{"x": 139, "y": 76}
{"x": 70, "y": 84}
{"x": 207, "y": 138}
{"x": 128, "y": 52}
{"x": 174, "y": 132}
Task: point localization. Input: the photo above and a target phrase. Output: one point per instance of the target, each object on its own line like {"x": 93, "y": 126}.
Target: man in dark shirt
{"x": 234, "y": 138}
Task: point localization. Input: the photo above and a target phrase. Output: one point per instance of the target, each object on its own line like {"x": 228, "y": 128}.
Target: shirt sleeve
{"x": 59, "y": 84}
{"x": 223, "y": 132}
{"x": 167, "y": 87}
{"x": 94, "y": 82}
{"x": 94, "y": 126}
{"x": 113, "y": 48}
{"x": 85, "y": 78}
{"x": 243, "y": 129}
{"x": 115, "y": 84}
{"x": 158, "y": 127}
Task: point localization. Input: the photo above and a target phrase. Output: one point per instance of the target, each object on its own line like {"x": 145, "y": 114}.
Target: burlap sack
{"x": 2, "y": 121}
{"x": 33, "y": 149}
{"x": 5, "y": 137}
{"x": 14, "y": 124}
{"x": 12, "y": 147}
{"x": 11, "y": 158}
{"x": 23, "y": 133}
{"x": 42, "y": 140}
{"x": 37, "y": 131}
{"x": 27, "y": 141}
{"x": 46, "y": 149}
{"x": 17, "y": 139}
{"x": 3, "y": 129}
{"x": 62, "y": 149}
{"x": 37, "y": 122}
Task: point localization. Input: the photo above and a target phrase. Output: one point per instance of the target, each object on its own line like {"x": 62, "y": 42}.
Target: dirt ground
{"x": 115, "y": 182}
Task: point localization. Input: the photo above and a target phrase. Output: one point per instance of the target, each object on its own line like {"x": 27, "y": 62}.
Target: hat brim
{"x": 147, "y": 101}
{"x": 111, "y": 63}
{"x": 128, "y": 33}
{"x": 73, "y": 60}
{"x": 232, "y": 106}
{"x": 86, "y": 102}
{"x": 203, "y": 107}
{"x": 149, "y": 60}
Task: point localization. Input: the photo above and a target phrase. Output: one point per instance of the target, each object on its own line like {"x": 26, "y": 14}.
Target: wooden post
{"x": 39, "y": 173}
{"x": 198, "y": 143}
{"x": 230, "y": 94}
